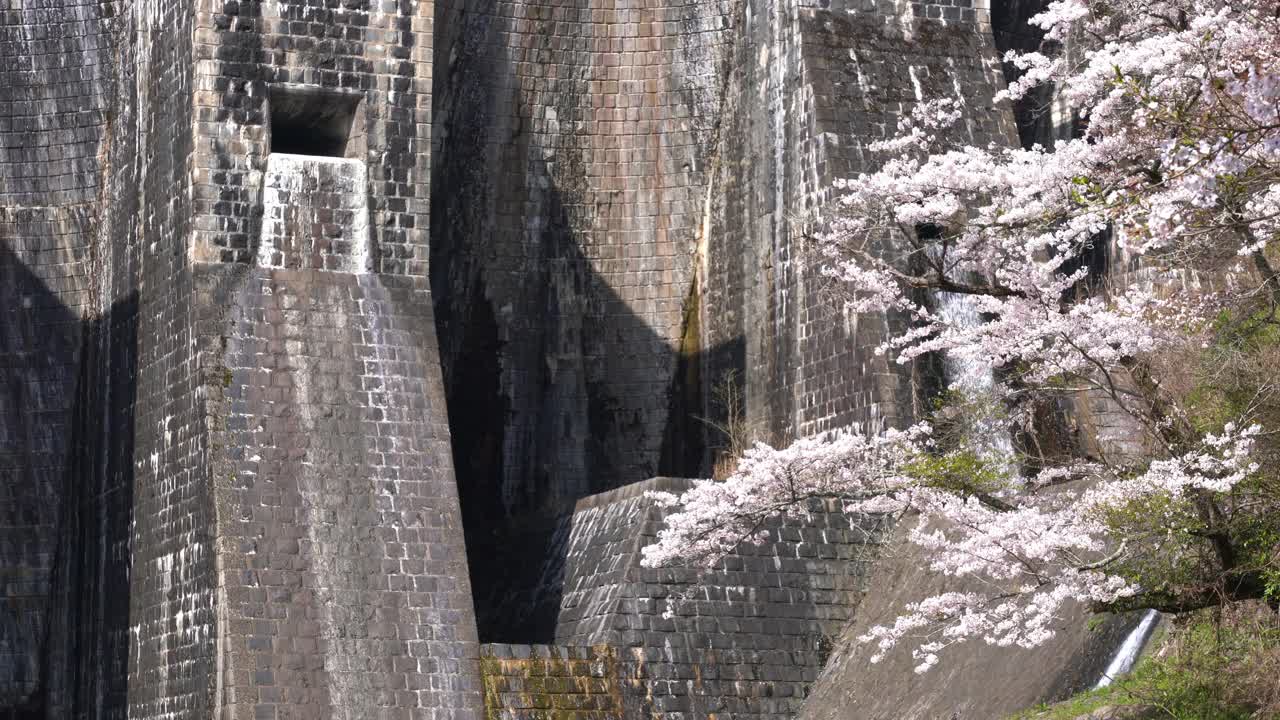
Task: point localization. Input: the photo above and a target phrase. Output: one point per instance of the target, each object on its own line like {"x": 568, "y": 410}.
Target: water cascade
{"x": 315, "y": 214}
{"x": 973, "y": 380}
{"x": 1127, "y": 654}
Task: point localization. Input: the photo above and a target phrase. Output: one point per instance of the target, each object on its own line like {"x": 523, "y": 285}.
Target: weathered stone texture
{"x": 172, "y": 611}
{"x": 976, "y": 680}
{"x": 134, "y": 144}
{"x": 573, "y": 138}
{"x": 40, "y": 351}
{"x": 227, "y": 484}
{"x": 315, "y": 214}
{"x": 52, "y": 109}
{"x": 52, "y": 66}
{"x": 631, "y": 187}
{"x": 810, "y": 87}
{"x": 374, "y": 54}
{"x": 551, "y": 682}
{"x": 342, "y": 584}
{"x": 746, "y": 637}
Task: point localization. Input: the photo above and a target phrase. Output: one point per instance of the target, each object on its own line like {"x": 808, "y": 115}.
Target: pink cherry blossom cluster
{"x": 1179, "y": 165}
{"x": 1044, "y": 551}
{"x": 1180, "y": 158}
{"x": 1036, "y": 550}
{"x": 716, "y": 516}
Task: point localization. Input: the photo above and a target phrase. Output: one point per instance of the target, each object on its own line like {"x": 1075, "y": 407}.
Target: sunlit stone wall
{"x": 342, "y": 588}
{"x": 811, "y": 86}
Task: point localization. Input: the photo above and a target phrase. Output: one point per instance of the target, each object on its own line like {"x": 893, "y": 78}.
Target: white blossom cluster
{"x": 1040, "y": 553}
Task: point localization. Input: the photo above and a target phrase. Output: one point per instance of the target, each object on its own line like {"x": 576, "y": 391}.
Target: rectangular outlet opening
{"x": 314, "y": 121}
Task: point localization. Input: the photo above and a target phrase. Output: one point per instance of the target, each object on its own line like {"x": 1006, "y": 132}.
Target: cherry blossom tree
{"x": 1178, "y": 168}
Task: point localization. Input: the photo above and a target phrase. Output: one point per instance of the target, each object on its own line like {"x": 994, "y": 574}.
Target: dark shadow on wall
{"x": 91, "y": 596}
{"x": 510, "y": 548}
{"x": 684, "y": 444}
{"x": 537, "y": 350}
{"x": 1011, "y": 32}
{"x": 67, "y": 403}
{"x": 39, "y": 343}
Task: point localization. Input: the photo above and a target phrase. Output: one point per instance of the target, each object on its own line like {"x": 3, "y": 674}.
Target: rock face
{"x": 250, "y": 250}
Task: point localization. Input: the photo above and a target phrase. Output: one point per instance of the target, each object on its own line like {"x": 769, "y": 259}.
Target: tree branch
{"x": 948, "y": 285}
{"x": 1234, "y": 586}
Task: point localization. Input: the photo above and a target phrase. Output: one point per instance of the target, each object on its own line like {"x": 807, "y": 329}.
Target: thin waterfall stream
{"x": 1127, "y": 654}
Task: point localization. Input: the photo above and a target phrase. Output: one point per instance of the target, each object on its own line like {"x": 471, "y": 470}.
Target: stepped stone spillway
{"x": 251, "y": 249}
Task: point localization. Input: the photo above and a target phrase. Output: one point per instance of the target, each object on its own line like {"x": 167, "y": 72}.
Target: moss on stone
{"x": 553, "y": 688}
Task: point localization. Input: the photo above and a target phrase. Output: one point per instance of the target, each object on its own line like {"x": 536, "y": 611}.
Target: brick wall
{"x": 551, "y": 682}
{"x": 375, "y": 55}
{"x": 574, "y": 139}
{"x": 630, "y": 189}
{"x": 94, "y": 136}
{"x": 51, "y": 126}
{"x": 749, "y": 636}
{"x": 242, "y": 459}
{"x": 342, "y": 582}
{"x": 183, "y": 158}
{"x": 809, "y": 89}
{"x": 172, "y": 612}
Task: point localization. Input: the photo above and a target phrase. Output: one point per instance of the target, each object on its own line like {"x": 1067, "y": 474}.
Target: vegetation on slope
{"x": 1210, "y": 666}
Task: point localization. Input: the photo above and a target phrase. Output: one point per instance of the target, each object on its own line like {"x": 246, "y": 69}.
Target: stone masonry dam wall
{"x": 573, "y": 138}
{"x": 56, "y": 502}
{"x": 631, "y": 192}
{"x": 334, "y": 537}
{"x": 811, "y": 86}
{"x": 341, "y": 579}
{"x": 744, "y": 639}
{"x": 230, "y": 236}
{"x": 227, "y": 489}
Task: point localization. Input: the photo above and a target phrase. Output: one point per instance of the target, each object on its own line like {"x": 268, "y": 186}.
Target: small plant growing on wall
{"x": 737, "y": 433}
